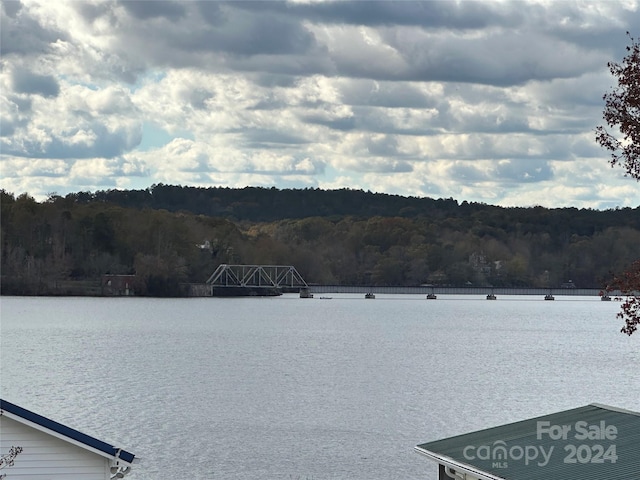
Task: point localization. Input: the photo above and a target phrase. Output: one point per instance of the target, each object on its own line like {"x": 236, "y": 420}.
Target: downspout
{"x": 119, "y": 471}
{"x": 451, "y": 473}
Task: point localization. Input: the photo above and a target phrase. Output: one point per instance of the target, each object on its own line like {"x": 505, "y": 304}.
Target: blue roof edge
{"x": 67, "y": 431}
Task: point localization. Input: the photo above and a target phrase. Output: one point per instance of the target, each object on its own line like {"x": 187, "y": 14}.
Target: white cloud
{"x": 79, "y": 122}
{"x": 486, "y": 101}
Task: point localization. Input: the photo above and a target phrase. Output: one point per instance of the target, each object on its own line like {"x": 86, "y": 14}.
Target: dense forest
{"x": 170, "y": 235}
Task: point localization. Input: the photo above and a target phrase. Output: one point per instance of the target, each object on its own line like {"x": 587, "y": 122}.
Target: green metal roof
{"x": 594, "y": 442}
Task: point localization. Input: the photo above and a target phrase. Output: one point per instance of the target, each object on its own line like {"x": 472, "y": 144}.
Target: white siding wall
{"x": 45, "y": 457}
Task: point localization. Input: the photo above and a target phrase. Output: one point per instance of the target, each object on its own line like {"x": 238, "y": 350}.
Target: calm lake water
{"x": 300, "y": 389}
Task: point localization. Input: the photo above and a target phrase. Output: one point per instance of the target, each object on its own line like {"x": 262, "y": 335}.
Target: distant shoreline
{"x": 90, "y": 289}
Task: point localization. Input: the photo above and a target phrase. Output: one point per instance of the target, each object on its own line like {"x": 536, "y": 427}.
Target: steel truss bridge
{"x": 274, "y": 276}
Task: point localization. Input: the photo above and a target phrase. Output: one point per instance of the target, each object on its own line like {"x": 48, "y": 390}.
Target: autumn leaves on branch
{"x": 622, "y": 113}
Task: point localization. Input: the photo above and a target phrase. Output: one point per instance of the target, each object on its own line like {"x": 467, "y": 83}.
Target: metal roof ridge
{"x": 594, "y": 404}
{"x": 509, "y": 423}
{"x": 614, "y": 409}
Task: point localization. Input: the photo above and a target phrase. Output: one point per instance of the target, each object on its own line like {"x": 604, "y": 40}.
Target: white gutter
{"x": 457, "y": 466}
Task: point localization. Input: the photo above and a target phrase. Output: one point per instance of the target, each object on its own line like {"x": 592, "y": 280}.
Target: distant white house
{"x": 54, "y": 451}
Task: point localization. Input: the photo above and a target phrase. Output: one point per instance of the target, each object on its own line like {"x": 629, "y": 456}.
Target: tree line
{"x": 171, "y": 235}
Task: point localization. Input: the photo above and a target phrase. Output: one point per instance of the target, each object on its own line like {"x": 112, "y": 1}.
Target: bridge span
{"x": 258, "y": 280}
{"x": 254, "y": 280}
{"x": 442, "y": 290}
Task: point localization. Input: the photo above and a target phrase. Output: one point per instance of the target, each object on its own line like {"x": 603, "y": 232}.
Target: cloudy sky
{"x": 493, "y": 102}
